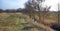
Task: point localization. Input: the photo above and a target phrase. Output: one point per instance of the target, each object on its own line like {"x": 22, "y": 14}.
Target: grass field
{"x": 17, "y": 21}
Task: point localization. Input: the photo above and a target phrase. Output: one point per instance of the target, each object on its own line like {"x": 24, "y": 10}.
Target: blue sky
{"x": 12, "y": 4}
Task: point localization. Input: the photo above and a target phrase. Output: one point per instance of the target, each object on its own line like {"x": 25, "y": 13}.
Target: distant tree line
{"x": 10, "y": 10}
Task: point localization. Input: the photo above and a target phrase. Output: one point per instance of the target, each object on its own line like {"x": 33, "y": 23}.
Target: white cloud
{"x": 53, "y": 4}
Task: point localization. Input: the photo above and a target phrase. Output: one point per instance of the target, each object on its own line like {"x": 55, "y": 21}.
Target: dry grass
{"x": 16, "y": 21}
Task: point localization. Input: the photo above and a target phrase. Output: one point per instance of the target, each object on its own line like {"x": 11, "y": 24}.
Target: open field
{"x": 17, "y": 21}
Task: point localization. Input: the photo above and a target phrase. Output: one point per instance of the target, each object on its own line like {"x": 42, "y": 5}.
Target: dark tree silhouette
{"x": 1, "y": 10}
{"x": 7, "y": 10}
{"x": 18, "y": 10}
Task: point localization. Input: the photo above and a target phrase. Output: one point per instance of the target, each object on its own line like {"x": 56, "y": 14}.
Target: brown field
{"x": 17, "y": 21}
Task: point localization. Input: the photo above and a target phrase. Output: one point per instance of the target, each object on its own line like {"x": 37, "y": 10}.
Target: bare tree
{"x": 34, "y": 7}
